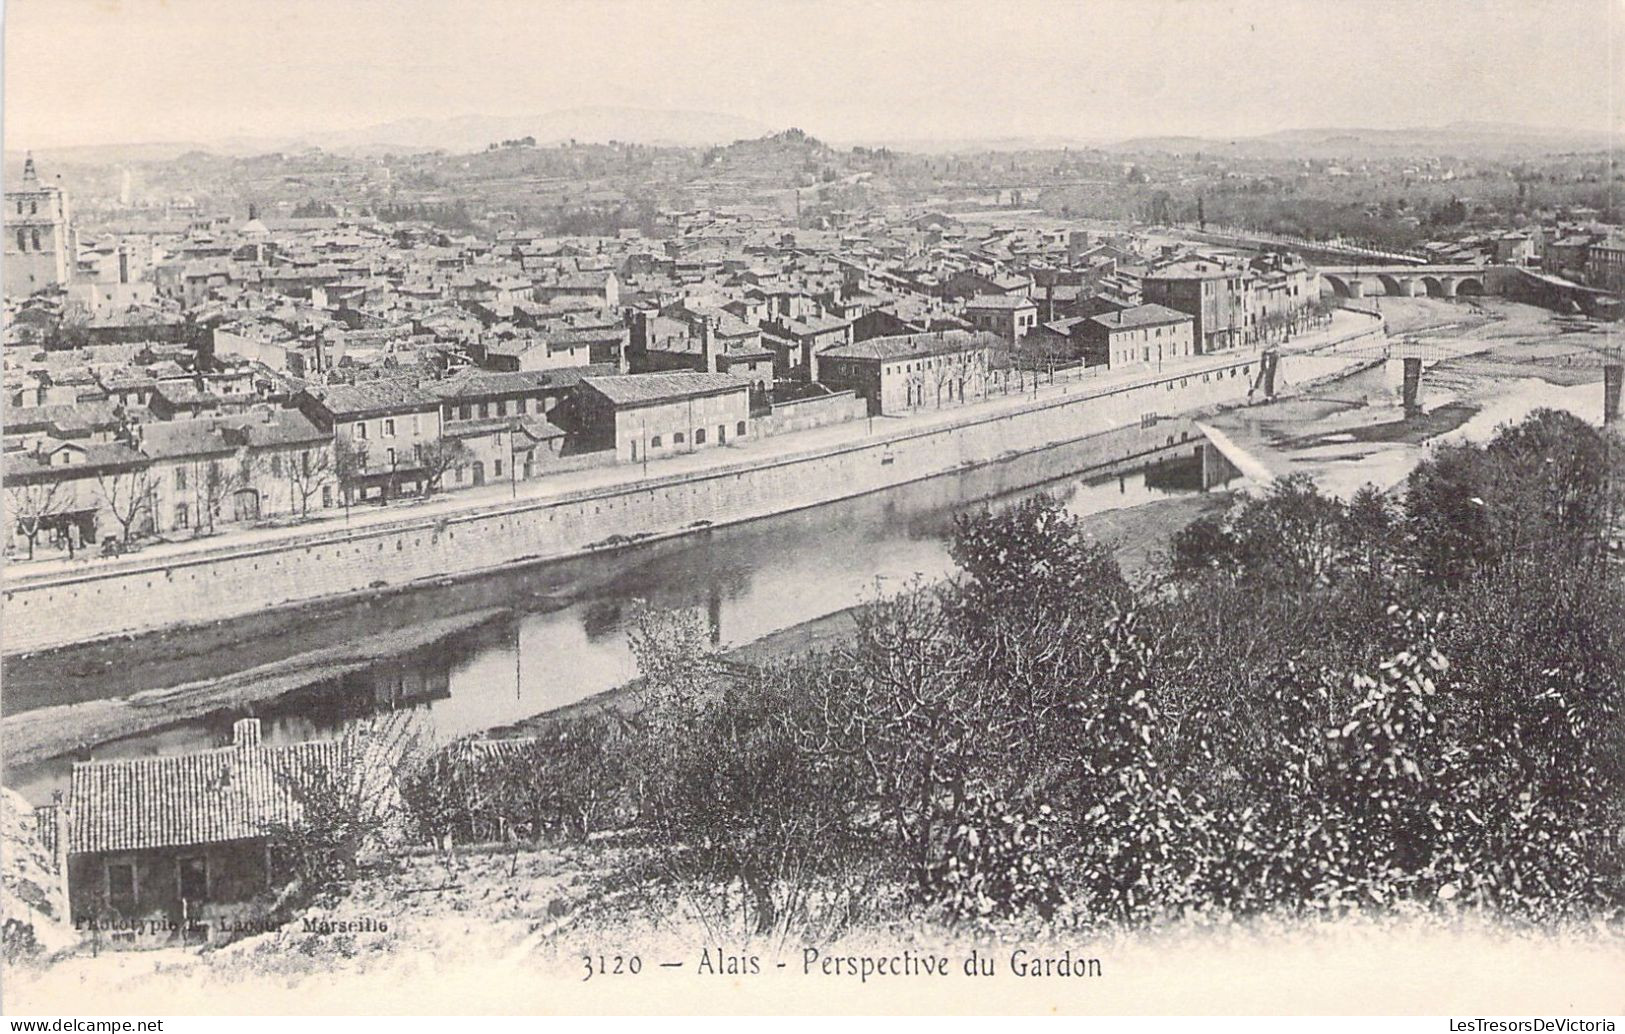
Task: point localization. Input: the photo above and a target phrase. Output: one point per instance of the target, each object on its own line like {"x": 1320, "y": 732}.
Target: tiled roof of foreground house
{"x": 232, "y": 793}
{"x": 910, "y": 346}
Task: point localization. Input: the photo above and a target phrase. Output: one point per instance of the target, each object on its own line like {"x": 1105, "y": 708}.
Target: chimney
{"x": 245, "y": 732}
{"x": 708, "y": 359}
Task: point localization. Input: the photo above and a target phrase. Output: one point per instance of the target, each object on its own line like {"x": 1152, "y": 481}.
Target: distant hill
{"x": 457, "y": 134}
{"x": 468, "y": 133}
{"x": 1464, "y": 139}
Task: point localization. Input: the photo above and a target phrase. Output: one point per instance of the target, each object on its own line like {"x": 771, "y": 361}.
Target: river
{"x": 562, "y": 635}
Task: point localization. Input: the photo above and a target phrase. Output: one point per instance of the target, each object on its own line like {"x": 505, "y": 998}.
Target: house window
{"x": 276, "y": 465}
{"x": 391, "y": 457}
{"x": 741, "y": 429}
{"x": 654, "y": 443}
{"x": 417, "y": 427}
{"x": 496, "y": 468}
{"x": 389, "y": 428}
{"x": 361, "y": 429}
{"x": 121, "y": 887}
{"x": 180, "y": 479}
{"x": 450, "y": 411}
{"x": 485, "y": 410}
{"x": 502, "y": 407}
{"x": 183, "y": 516}
{"x": 677, "y": 438}
{"x": 327, "y": 495}
{"x": 193, "y": 875}
{"x": 467, "y": 411}
{"x": 519, "y": 406}
{"x": 699, "y": 436}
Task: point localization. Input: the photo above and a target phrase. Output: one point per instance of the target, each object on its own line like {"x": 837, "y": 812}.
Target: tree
{"x": 215, "y": 481}
{"x": 307, "y": 473}
{"x": 128, "y": 496}
{"x": 349, "y": 463}
{"x": 440, "y": 456}
{"x": 34, "y": 504}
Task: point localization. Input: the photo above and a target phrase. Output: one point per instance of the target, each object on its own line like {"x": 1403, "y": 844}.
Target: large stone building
{"x": 911, "y": 371}
{"x": 650, "y": 415}
{"x": 1144, "y": 335}
{"x": 1010, "y": 316}
{"x": 39, "y": 249}
{"x": 1216, "y": 297}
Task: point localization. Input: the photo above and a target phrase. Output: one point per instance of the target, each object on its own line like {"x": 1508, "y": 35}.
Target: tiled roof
{"x": 213, "y": 796}
{"x": 472, "y": 383}
{"x": 1150, "y": 315}
{"x": 643, "y": 388}
{"x": 1000, "y": 301}
{"x": 380, "y": 396}
{"x": 909, "y": 346}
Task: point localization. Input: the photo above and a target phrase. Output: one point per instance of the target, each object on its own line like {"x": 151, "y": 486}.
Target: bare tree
{"x": 128, "y": 495}
{"x": 442, "y": 455}
{"x": 307, "y": 473}
{"x": 349, "y": 463}
{"x": 33, "y": 505}
{"x": 215, "y": 480}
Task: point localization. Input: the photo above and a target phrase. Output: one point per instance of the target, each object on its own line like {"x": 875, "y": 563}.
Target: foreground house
{"x": 176, "y": 849}
{"x": 911, "y": 371}
{"x": 380, "y": 429}
{"x": 1143, "y": 335}
{"x": 645, "y": 416}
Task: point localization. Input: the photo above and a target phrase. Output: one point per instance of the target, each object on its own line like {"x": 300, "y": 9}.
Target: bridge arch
{"x": 1470, "y": 285}
{"x": 1339, "y": 286}
{"x": 1391, "y": 285}
{"x": 1435, "y": 287}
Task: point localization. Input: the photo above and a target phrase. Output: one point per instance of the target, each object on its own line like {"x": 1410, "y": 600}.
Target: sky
{"x": 128, "y": 71}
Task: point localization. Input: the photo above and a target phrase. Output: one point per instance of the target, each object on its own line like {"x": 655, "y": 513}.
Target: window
{"x": 502, "y": 407}
{"x": 450, "y": 411}
{"x": 654, "y": 443}
{"x": 677, "y": 438}
{"x": 485, "y": 410}
{"x": 496, "y": 468}
{"x": 361, "y": 429}
{"x": 390, "y": 456}
{"x": 389, "y": 428}
{"x": 193, "y": 875}
{"x": 35, "y": 235}
{"x": 519, "y": 406}
{"x": 699, "y": 436}
{"x": 183, "y": 516}
{"x": 276, "y": 465}
{"x": 121, "y": 887}
{"x": 327, "y": 495}
{"x": 741, "y": 430}
{"x": 417, "y": 427}
{"x": 467, "y": 411}
{"x": 22, "y": 240}
{"x": 180, "y": 479}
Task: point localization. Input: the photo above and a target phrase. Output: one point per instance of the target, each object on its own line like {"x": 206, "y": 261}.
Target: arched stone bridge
{"x": 1412, "y": 281}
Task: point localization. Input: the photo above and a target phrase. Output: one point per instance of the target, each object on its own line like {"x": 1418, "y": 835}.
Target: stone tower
{"x": 39, "y": 249}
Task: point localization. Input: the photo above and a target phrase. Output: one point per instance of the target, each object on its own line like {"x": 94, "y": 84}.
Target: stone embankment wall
{"x": 806, "y": 414}
{"x": 58, "y": 610}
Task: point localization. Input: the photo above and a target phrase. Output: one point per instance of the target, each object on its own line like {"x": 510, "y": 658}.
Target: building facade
{"x": 652, "y": 415}
{"x": 1143, "y": 335}
{"x": 1217, "y": 299}
{"x": 912, "y": 371}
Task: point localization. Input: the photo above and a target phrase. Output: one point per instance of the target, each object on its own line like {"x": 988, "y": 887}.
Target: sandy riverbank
{"x": 53, "y": 731}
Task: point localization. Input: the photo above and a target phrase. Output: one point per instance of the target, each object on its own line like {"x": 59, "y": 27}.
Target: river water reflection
{"x": 565, "y": 637}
